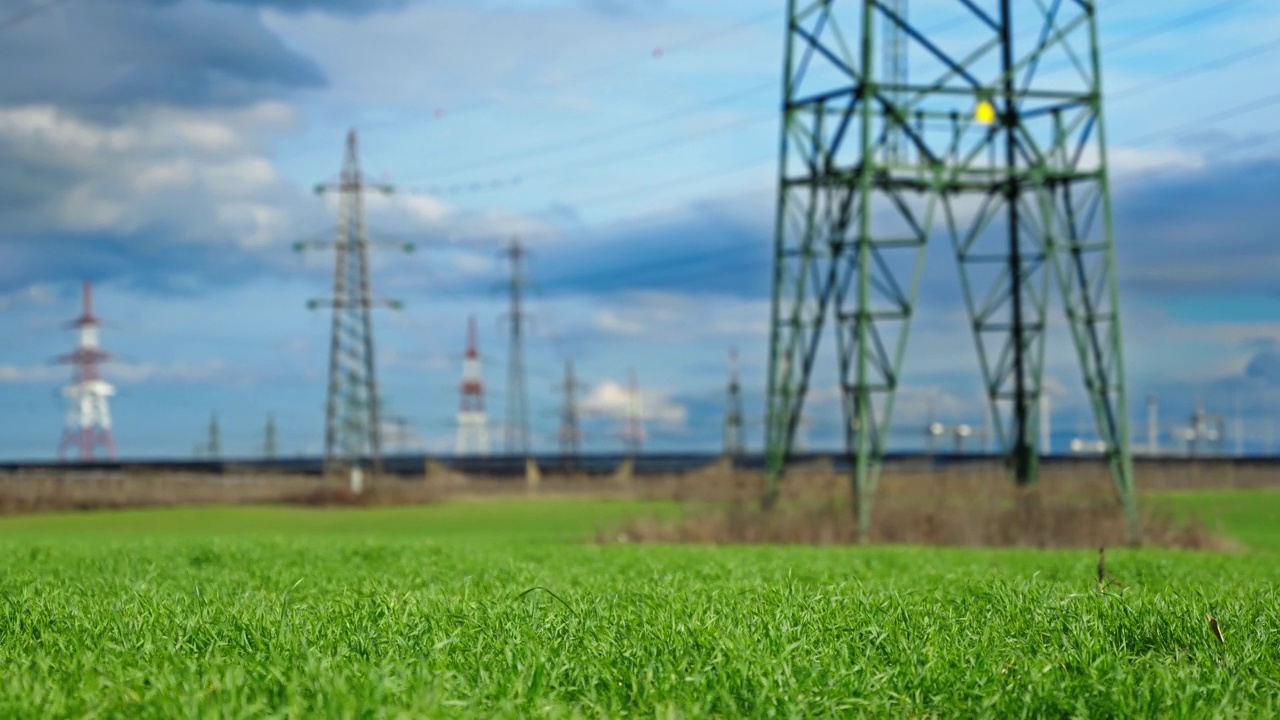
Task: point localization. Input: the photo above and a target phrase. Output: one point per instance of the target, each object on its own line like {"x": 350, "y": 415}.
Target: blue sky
{"x": 167, "y": 148}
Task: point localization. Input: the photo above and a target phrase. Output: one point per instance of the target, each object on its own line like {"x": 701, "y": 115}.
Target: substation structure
{"x": 988, "y": 133}
{"x": 353, "y": 432}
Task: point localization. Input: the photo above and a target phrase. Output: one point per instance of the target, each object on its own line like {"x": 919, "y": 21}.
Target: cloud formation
{"x": 94, "y": 58}
{"x": 612, "y": 400}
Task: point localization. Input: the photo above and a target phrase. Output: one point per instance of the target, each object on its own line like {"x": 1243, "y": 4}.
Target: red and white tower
{"x": 633, "y": 434}
{"x": 88, "y": 422}
{"x": 473, "y": 423}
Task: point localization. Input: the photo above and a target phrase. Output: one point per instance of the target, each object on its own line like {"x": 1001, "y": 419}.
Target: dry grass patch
{"x": 115, "y": 491}
{"x": 972, "y": 511}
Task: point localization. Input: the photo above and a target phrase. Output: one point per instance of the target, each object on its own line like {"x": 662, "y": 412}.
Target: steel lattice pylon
{"x": 734, "y": 444}
{"x": 515, "y": 435}
{"x": 353, "y": 433}
{"x": 570, "y": 429}
{"x": 993, "y": 139}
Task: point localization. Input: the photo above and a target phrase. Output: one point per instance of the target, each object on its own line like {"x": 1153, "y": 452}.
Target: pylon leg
{"x": 853, "y": 221}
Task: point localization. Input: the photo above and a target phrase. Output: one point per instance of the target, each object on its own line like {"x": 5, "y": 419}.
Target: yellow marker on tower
{"x": 985, "y": 113}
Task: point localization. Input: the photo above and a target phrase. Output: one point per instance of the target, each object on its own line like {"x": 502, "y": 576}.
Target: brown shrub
{"x": 1014, "y": 518}
{"x": 51, "y": 492}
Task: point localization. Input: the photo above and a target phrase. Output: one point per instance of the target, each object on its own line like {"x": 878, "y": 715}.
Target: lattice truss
{"x": 984, "y": 133}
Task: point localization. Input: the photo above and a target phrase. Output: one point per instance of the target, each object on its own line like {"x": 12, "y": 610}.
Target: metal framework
{"x": 473, "y": 422}
{"x": 1002, "y": 152}
{"x": 88, "y": 419}
{"x": 734, "y": 443}
{"x": 213, "y": 446}
{"x": 515, "y": 436}
{"x": 353, "y": 433}
{"x": 269, "y": 438}
{"x": 570, "y": 428}
{"x": 633, "y": 434}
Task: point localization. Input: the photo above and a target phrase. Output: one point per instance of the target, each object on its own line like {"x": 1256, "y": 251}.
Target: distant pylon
{"x": 473, "y": 423}
{"x": 353, "y": 430}
{"x": 633, "y": 434}
{"x": 516, "y": 414}
{"x": 215, "y": 438}
{"x": 1153, "y": 424}
{"x": 734, "y": 446}
{"x": 570, "y": 430}
{"x": 269, "y": 441}
{"x": 88, "y": 421}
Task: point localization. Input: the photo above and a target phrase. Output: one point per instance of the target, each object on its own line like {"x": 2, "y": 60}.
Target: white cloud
{"x": 196, "y": 175}
{"x": 118, "y": 372}
{"x": 37, "y": 294}
{"x": 153, "y": 372}
{"x": 613, "y": 400}
{"x": 678, "y": 317}
{"x": 468, "y": 48}
{"x": 14, "y": 374}
{"x": 1127, "y": 162}
{"x": 609, "y": 322}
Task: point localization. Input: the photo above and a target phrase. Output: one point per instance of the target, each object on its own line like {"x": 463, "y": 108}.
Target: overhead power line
{"x": 612, "y": 133}
{"x": 609, "y": 133}
{"x": 651, "y": 54}
{"x": 1216, "y": 64}
{"x": 1172, "y": 24}
{"x": 1234, "y": 111}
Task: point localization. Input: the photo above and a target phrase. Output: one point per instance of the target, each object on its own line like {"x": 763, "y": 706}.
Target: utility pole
{"x": 269, "y": 441}
{"x": 1006, "y": 153}
{"x": 353, "y": 428}
{"x": 570, "y": 430}
{"x": 516, "y": 420}
{"x": 633, "y": 434}
{"x": 734, "y": 445}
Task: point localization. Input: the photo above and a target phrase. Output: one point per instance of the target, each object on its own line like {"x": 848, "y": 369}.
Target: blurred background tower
{"x": 570, "y": 428}
{"x": 269, "y": 439}
{"x": 214, "y": 444}
{"x": 353, "y": 428}
{"x": 895, "y": 71}
{"x": 88, "y": 420}
{"x": 473, "y": 423}
{"x": 633, "y": 432}
{"x": 734, "y": 444}
{"x": 995, "y": 145}
{"x": 516, "y": 414}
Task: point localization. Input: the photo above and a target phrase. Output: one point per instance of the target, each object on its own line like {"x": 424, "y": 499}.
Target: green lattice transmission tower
{"x": 353, "y": 419}
{"x": 992, "y": 142}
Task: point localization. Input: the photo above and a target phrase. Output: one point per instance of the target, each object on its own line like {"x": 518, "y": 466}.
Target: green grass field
{"x": 498, "y": 609}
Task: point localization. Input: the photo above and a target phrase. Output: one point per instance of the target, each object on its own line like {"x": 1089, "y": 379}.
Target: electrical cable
{"x": 1175, "y": 23}
{"x": 1216, "y": 64}
{"x": 609, "y": 69}
{"x": 1244, "y": 108}
{"x": 610, "y": 133}
{"x": 1124, "y": 42}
